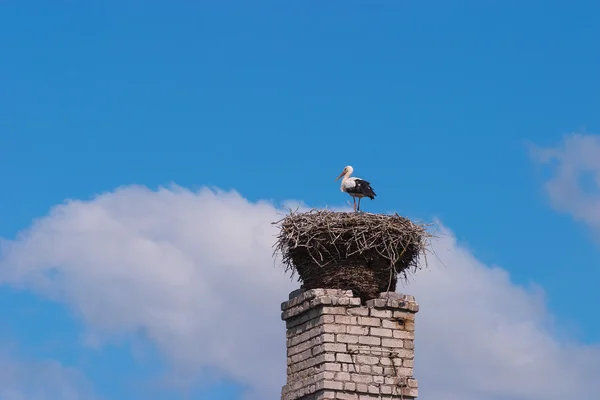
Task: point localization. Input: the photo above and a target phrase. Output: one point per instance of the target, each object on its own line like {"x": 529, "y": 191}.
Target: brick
{"x": 378, "y": 378}
{"x": 343, "y": 301}
{"x": 402, "y": 353}
{"x": 409, "y": 344}
{"x": 291, "y": 322}
{"x": 352, "y": 367}
{"x": 326, "y": 319}
{"x": 350, "y": 386}
{"x": 386, "y": 389}
{"x": 381, "y": 313}
{"x": 298, "y": 323}
{"x": 390, "y": 324}
{"x": 373, "y": 389}
{"x": 346, "y": 396}
{"x": 399, "y": 304}
{"x": 324, "y": 300}
{"x": 368, "y": 397}
{"x": 300, "y": 314}
{"x": 410, "y": 392}
{"x": 379, "y": 303}
{"x": 304, "y": 336}
{"x": 403, "y": 371}
{"x": 364, "y": 369}
{"x": 369, "y": 360}
{"x": 391, "y": 361}
{"x": 323, "y": 375}
{"x": 377, "y": 370}
{"x": 327, "y": 338}
{"x": 392, "y": 343}
{"x": 323, "y": 338}
{"x": 355, "y": 301}
{"x": 362, "y": 387}
{"x": 385, "y": 360}
{"x": 294, "y": 312}
{"x": 409, "y": 326}
{"x": 369, "y": 340}
{"x": 401, "y": 334}
{"x": 333, "y": 385}
{"x": 404, "y": 315}
{"x": 299, "y": 348}
{"x": 334, "y": 310}
{"x": 345, "y": 319}
{"x": 361, "y": 311}
{"x": 312, "y": 293}
{"x": 357, "y": 330}
{"x": 304, "y": 373}
{"x": 317, "y": 350}
{"x": 408, "y": 363}
{"x": 391, "y": 380}
{"x": 343, "y": 338}
{"x": 359, "y": 378}
{"x": 301, "y": 356}
{"x": 342, "y": 376}
{"x": 294, "y": 368}
{"x": 343, "y": 358}
{"x": 325, "y": 395}
{"x": 322, "y": 358}
{"x": 335, "y": 347}
{"x": 333, "y": 328}
{"x": 381, "y": 332}
{"x": 413, "y": 383}
{"x": 369, "y": 321}
{"x": 334, "y": 367}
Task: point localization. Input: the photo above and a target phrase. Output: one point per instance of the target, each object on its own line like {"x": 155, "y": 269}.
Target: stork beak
{"x": 342, "y": 174}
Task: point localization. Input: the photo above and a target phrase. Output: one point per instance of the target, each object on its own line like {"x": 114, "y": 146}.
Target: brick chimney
{"x": 338, "y": 348}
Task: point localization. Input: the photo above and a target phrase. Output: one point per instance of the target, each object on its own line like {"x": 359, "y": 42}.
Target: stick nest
{"x": 351, "y": 250}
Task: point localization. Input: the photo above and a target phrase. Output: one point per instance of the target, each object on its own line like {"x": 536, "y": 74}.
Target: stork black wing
{"x": 363, "y": 187}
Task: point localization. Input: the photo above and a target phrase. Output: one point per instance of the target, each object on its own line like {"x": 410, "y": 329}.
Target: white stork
{"x": 355, "y": 187}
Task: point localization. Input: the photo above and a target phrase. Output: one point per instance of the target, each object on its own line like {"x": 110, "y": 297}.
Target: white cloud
{"x": 40, "y": 380}
{"x": 481, "y": 337}
{"x": 194, "y": 272}
{"x": 573, "y": 184}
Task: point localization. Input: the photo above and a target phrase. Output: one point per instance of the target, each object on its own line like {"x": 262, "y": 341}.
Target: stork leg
{"x": 354, "y": 204}
{"x": 359, "y": 204}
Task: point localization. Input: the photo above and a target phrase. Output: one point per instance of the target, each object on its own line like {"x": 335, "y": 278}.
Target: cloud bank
{"x": 194, "y": 272}
{"x": 40, "y": 380}
{"x": 573, "y": 183}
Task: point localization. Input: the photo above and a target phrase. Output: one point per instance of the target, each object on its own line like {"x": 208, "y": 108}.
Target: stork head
{"x": 347, "y": 171}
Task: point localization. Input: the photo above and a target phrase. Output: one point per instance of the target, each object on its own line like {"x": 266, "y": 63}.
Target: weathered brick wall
{"x": 339, "y": 349}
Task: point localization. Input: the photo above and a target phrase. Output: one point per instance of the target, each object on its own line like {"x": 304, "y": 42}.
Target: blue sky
{"x": 437, "y": 104}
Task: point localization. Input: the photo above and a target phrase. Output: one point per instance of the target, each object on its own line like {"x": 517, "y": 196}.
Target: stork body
{"x": 355, "y": 187}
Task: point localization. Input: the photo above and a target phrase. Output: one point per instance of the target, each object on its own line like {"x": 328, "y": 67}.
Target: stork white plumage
{"x": 355, "y": 187}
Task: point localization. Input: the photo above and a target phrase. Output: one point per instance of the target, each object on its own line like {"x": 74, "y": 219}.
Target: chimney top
{"x": 338, "y": 348}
